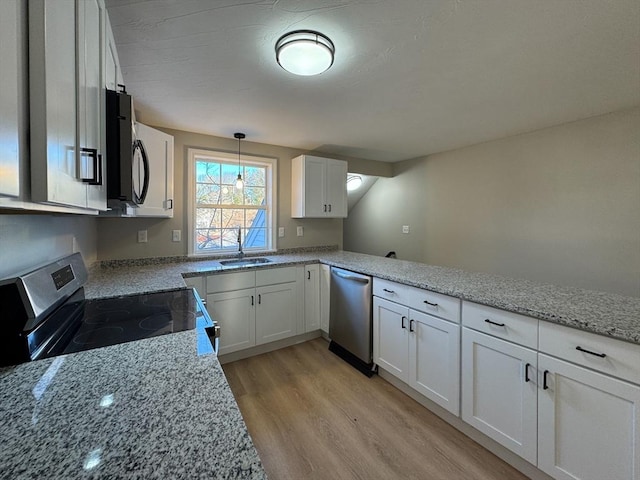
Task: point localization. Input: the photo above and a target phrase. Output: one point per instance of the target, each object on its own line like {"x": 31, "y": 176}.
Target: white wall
{"x": 28, "y": 241}
{"x": 560, "y": 205}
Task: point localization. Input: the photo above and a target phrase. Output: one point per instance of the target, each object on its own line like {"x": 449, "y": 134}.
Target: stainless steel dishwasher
{"x": 350, "y": 322}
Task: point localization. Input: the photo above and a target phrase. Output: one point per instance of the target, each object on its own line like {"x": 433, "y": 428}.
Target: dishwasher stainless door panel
{"x": 350, "y": 324}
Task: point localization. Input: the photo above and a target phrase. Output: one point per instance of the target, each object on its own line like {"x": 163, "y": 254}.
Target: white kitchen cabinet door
{"x": 318, "y": 187}
{"x": 91, "y": 100}
{"x": 325, "y": 297}
{"x": 10, "y": 101}
{"x": 276, "y": 312}
{"x": 235, "y": 313}
{"x": 113, "y": 72}
{"x": 434, "y": 356}
{"x": 53, "y": 116}
{"x": 336, "y": 188}
{"x": 499, "y": 394}
{"x": 312, "y": 297}
{"x": 159, "y": 148}
{"x": 391, "y": 337}
{"x": 588, "y": 424}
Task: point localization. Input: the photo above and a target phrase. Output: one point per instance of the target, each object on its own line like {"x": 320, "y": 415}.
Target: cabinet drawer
{"x": 426, "y": 301}
{"x": 226, "y": 282}
{"x": 621, "y": 359}
{"x": 272, "y": 276}
{"x": 516, "y": 328}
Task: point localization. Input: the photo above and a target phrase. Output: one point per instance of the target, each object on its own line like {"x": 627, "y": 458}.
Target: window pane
{"x": 208, "y": 218}
{"x": 207, "y": 172}
{"x": 208, "y": 193}
{"x": 208, "y": 239}
{"x": 229, "y": 174}
{"x": 230, "y": 238}
{"x": 255, "y": 238}
{"x": 253, "y": 218}
{"x": 255, "y": 176}
{"x": 230, "y": 195}
{"x": 254, "y": 195}
{"x": 232, "y": 218}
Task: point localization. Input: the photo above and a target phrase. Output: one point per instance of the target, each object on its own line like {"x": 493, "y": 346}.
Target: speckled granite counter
{"x": 155, "y": 408}
{"x": 599, "y": 312}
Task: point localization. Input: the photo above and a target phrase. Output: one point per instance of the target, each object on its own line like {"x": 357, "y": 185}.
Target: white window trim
{"x": 272, "y": 197}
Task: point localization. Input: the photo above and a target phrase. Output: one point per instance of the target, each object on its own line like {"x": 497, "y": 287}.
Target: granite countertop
{"x": 604, "y": 313}
{"x": 157, "y": 408}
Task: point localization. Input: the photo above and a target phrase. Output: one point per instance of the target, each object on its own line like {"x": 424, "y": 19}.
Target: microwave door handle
{"x": 145, "y": 164}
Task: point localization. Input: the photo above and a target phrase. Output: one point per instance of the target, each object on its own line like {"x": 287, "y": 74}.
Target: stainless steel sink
{"x": 244, "y": 262}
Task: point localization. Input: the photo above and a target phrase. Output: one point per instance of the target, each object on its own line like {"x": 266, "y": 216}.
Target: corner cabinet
{"x": 318, "y": 187}
{"x": 66, "y": 73}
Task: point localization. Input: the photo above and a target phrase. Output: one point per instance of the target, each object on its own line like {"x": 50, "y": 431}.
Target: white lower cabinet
{"x": 325, "y": 297}
{"x": 588, "y": 423}
{"x": 275, "y": 312}
{"x": 254, "y": 307}
{"x": 499, "y": 393}
{"x": 311, "y": 297}
{"x": 235, "y": 313}
{"x": 419, "y": 349}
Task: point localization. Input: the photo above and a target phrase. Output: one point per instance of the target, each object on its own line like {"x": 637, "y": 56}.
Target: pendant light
{"x": 239, "y": 181}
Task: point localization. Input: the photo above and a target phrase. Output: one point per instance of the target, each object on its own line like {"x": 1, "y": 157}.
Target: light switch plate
{"x": 281, "y": 231}
{"x": 405, "y": 228}
{"x": 176, "y": 235}
{"x": 300, "y": 231}
{"x": 142, "y": 236}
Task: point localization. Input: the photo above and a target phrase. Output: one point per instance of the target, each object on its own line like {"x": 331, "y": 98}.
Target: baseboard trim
{"x": 498, "y": 450}
{"x": 267, "y": 347}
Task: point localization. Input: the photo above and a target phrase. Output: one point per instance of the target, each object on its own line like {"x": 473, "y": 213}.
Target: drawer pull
{"x": 252, "y": 301}
{"x": 411, "y": 325}
{"x": 545, "y": 385}
{"x": 388, "y": 291}
{"x": 494, "y": 323}
{"x": 601, "y": 355}
{"x": 526, "y": 372}
{"x": 431, "y": 304}
{"x": 403, "y": 319}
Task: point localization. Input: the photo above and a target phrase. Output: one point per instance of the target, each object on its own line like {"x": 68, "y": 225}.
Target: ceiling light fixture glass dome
{"x": 353, "y": 182}
{"x": 305, "y": 52}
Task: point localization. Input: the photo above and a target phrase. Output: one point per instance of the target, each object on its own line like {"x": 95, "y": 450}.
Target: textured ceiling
{"x": 410, "y": 77}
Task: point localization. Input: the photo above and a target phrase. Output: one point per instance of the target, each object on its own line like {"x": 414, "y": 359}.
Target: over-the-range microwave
{"x": 127, "y": 162}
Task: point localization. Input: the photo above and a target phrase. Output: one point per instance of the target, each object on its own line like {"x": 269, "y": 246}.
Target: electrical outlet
{"x": 142, "y": 236}
{"x": 405, "y": 228}
{"x": 300, "y": 231}
{"x": 176, "y": 235}
{"x": 281, "y": 231}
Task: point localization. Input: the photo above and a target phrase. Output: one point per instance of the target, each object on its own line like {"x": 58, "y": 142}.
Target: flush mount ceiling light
{"x": 305, "y": 52}
{"x": 353, "y": 182}
{"x": 239, "y": 181}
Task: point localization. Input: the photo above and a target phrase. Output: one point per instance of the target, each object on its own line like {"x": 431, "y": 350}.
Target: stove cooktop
{"x": 111, "y": 321}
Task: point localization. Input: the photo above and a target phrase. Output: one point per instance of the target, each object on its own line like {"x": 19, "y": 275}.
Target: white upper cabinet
{"x": 113, "y": 72}
{"x": 159, "y": 148}
{"x": 318, "y": 187}
{"x": 9, "y": 99}
{"x": 66, "y": 61}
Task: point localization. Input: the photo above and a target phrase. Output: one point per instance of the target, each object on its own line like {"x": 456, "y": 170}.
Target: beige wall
{"x": 28, "y": 241}
{"x": 117, "y": 236}
{"x": 560, "y": 205}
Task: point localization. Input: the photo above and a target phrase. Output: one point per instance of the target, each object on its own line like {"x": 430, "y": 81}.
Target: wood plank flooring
{"x": 312, "y": 416}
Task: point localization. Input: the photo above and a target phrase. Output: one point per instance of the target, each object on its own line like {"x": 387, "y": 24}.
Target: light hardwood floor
{"x": 312, "y": 416}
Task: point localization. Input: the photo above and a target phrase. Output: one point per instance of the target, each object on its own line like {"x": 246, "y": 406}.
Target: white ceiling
{"x": 410, "y": 77}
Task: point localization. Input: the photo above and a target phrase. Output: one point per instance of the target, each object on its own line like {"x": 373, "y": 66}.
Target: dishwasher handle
{"x": 351, "y": 277}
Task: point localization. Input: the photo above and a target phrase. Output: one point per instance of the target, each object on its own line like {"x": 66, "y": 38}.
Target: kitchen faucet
{"x": 240, "y": 252}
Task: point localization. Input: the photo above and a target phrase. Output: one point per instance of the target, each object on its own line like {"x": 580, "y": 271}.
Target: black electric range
{"x": 47, "y": 315}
